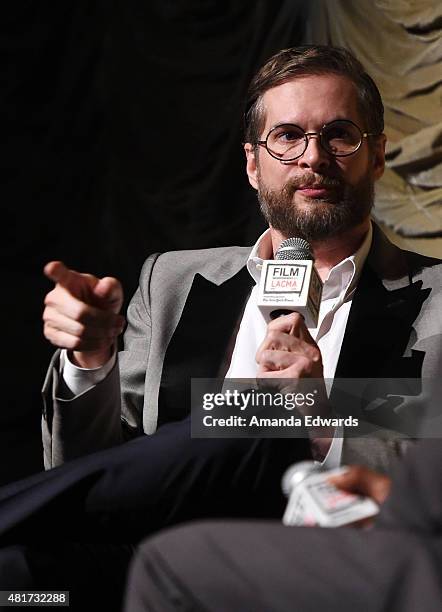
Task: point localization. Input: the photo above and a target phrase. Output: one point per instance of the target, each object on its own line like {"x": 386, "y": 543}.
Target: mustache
{"x": 313, "y": 181}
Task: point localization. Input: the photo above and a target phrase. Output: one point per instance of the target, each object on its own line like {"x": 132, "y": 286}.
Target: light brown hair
{"x": 311, "y": 60}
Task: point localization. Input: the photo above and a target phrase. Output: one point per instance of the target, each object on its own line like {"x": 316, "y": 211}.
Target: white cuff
{"x": 78, "y": 380}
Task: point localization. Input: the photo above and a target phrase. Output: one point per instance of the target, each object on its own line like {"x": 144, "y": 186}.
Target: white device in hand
{"x": 313, "y": 500}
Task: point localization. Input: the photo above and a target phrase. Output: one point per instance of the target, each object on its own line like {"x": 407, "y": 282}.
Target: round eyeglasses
{"x": 288, "y": 141}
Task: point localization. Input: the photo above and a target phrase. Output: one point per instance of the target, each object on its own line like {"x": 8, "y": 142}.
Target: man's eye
{"x": 342, "y": 134}
{"x": 289, "y": 136}
{"x": 338, "y": 133}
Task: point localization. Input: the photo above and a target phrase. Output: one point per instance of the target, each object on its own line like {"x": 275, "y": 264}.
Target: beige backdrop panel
{"x": 400, "y": 44}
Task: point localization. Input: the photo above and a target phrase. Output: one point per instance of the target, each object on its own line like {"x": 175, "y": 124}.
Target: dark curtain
{"x": 122, "y": 129}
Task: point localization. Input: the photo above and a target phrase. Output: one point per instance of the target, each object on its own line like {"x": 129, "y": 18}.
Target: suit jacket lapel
{"x": 202, "y": 335}
{"x": 380, "y": 324}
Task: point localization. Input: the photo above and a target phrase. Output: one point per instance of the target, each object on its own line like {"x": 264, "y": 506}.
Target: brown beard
{"x": 345, "y": 207}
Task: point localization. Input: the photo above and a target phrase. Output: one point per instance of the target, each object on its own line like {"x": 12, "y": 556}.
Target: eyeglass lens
{"x": 338, "y": 138}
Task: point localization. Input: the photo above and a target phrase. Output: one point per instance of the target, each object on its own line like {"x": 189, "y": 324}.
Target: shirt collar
{"x": 261, "y": 250}
{"x": 342, "y": 278}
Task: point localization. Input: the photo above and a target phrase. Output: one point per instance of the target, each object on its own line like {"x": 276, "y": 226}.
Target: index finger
{"x": 294, "y": 325}
{"x": 57, "y": 272}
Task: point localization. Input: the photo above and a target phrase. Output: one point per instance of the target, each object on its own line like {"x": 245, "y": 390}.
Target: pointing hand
{"x": 82, "y": 314}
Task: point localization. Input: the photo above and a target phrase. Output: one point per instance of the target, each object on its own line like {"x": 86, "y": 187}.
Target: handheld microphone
{"x": 290, "y": 283}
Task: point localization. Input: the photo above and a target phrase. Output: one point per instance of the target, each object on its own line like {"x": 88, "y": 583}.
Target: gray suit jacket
{"x": 180, "y": 322}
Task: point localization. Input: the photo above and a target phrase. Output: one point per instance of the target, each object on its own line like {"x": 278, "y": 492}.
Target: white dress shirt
{"x": 337, "y": 294}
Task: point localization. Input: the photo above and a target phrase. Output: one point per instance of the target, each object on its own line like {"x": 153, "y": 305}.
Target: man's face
{"x": 317, "y": 195}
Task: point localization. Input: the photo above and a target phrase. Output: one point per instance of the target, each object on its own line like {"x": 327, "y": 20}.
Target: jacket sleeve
{"x": 380, "y": 452}
{"x": 110, "y": 412}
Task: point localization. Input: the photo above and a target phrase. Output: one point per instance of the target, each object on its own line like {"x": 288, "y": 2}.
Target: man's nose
{"x": 314, "y": 157}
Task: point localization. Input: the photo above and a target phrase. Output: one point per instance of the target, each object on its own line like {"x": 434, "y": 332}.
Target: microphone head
{"x": 294, "y": 248}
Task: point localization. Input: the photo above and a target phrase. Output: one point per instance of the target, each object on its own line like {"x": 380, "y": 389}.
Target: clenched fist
{"x": 289, "y": 353}
{"x": 82, "y": 314}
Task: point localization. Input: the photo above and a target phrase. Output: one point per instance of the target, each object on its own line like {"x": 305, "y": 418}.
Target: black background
{"x": 122, "y": 125}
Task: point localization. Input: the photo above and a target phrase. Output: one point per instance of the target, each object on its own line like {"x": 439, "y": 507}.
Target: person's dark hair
{"x": 311, "y": 60}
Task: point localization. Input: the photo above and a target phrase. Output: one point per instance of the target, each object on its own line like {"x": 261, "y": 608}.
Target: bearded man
{"x": 314, "y": 149}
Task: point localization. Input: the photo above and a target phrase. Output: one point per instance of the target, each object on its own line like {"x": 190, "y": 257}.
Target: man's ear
{"x": 251, "y": 165}
{"x": 379, "y": 156}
